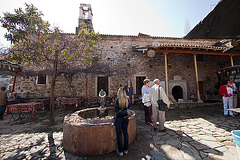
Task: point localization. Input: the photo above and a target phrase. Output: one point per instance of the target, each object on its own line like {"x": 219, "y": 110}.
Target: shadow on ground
{"x": 149, "y": 144}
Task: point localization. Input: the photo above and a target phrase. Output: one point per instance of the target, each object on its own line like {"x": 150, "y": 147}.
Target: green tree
{"x": 35, "y": 44}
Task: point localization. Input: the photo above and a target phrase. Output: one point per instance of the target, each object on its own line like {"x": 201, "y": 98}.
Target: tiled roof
{"x": 219, "y": 44}
{"x": 154, "y": 37}
{"x": 154, "y": 41}
{"x": 189, "y": 46}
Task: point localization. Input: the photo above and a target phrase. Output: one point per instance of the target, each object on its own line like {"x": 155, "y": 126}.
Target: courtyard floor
{"x": 193, "y": 133}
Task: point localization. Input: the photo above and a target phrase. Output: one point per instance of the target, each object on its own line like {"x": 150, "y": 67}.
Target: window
{"x": 85, "y": 8}
{"x": 41, "y": 79}
{"x": 86, "y": 15}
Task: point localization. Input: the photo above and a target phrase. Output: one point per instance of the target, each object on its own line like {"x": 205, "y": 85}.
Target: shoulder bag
{"x": 161, "y": 105}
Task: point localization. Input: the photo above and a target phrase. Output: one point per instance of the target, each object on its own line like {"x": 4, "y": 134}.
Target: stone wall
{"x": 120, "y": 63}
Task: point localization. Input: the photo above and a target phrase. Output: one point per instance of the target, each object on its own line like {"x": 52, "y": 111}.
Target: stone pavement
{"x": 193, "y": 133}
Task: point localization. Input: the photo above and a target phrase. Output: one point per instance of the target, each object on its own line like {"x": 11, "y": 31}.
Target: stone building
{"x": 187, "y": 68}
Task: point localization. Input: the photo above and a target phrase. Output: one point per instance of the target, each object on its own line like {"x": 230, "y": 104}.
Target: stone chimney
{"x": 85, "y": 15}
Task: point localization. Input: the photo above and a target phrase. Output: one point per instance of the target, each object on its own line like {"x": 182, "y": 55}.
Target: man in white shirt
{"x": 235, "y": 91}
{"x": 158, "y": 116}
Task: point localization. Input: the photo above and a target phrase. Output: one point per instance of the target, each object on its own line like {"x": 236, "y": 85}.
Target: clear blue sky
{"x": 164, "y": 18}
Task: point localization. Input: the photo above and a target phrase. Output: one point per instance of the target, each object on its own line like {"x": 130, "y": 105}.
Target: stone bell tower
{"x": 85, "y": 15}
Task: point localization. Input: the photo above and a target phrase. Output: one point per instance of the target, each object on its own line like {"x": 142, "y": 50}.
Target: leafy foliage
{"x": 23, "y": 24}
{"x": 34, "y": 41}
{"x": 47, "y": 48}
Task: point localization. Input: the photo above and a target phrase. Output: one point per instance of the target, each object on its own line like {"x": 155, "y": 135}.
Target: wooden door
{"x": 139, "y": 84}
{"x": 102, "y": 83}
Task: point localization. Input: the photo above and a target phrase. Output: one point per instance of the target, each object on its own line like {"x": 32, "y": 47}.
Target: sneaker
{"x": 119, "y": 153}
{"x": 125, "y": 152}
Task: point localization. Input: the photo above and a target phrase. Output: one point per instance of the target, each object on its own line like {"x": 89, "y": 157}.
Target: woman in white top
{"x": 145, "y": 95}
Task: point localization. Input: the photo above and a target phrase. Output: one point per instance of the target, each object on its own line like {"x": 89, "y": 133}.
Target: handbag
{"x": 149, "y": 111}
{"x": 161, "y": 105}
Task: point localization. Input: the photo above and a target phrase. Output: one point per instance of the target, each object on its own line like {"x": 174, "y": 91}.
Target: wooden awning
{"x": 207, "y": 50}
{"x": 230, "y": 68}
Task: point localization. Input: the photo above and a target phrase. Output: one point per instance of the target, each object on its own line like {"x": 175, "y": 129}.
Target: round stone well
{"x": 84, "y": 133}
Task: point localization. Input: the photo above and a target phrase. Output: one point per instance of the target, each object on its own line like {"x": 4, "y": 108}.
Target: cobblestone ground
{"x": 194, "y": 133}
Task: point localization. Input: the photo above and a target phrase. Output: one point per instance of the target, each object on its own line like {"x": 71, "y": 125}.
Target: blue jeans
{"x": 2, "y": 110}
{"x": 122, "y": 126}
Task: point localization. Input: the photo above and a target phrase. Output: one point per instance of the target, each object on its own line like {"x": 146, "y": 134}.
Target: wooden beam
{"x": 231, "y": 59}
{"x": 196, "y": 72}
{"x": 166, "y": 73}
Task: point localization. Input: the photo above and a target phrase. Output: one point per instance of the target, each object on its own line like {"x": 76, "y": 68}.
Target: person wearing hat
{"x": 157, "y": 93}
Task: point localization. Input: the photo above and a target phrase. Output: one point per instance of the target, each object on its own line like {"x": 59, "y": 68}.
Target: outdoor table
{"x": 45, "y": 102}
{"x": 22, "y": 108}
{"x": 67, "y": 101}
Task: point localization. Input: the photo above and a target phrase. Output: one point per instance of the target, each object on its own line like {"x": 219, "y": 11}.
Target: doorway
{"x": 177, "y": 92}
{"x": 102, "y": 83}
{"x": 139, "y": 84}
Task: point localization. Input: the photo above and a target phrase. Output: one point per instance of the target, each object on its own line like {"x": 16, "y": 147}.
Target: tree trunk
{"x": 71, "y": 87}
{"x": 52, "y": 97}
{"x": 52, "y": 90}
